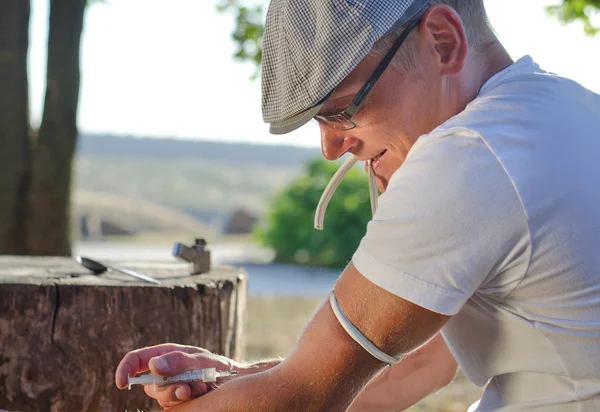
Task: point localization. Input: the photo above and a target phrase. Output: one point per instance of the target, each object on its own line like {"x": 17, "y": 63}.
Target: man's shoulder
{"x": 455, "y": 165}
{"x": 529, "y": 100}
{"x": 446, "y": 137}
{"x": 448, "y": 220}
{"x": 456, "y": 146}
{"x": 521, "y": 114}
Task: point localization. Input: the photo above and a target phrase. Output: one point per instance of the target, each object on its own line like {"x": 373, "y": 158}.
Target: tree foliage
{"x": 577, "y": 10}
{"x": 248, "y": 31}
{"x": 289, "y": 226}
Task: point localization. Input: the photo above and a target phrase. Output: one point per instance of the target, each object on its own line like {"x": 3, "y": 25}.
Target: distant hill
{"x": 205, "y": 180}
{"x": 163, "y": 148}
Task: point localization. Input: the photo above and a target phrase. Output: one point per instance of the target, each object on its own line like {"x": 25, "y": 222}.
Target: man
{"x": 483, "y": 250}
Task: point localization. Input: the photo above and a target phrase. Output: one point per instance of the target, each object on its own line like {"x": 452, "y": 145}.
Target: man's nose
{"x": 334, "y": 144}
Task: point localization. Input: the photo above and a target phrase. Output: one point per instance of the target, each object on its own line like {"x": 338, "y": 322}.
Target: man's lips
{"x": 376, "y": 161}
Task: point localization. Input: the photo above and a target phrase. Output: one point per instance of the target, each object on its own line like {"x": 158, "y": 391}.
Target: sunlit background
{"x": 157, "y": 68}
{"x": 160, "y": 94}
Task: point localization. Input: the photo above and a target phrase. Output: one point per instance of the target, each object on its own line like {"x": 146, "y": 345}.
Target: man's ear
{"x": 443, "y": 30}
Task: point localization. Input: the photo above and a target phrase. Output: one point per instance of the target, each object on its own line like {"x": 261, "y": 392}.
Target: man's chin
{"x": 382, "y": 183}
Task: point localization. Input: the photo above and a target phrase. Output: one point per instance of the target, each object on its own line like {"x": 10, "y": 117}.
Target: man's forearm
{"x": 245, "y": 369}
{"x": 260, "y": 391}
{"x": 401, "y": 386}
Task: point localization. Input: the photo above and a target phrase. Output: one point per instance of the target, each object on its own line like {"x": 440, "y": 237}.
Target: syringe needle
{"x": 224, "y": 374}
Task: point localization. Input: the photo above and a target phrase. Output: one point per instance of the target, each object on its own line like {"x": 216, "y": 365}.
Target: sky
{"x": 161, "y": 68}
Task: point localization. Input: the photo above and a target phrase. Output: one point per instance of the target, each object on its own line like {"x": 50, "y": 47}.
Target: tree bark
{"x": 14, "y": 123}
{"x": 64, "y": 331}
{"x": 48, "y": 231}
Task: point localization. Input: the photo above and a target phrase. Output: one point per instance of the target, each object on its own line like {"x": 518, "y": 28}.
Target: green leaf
{"x": 570, "y": 11}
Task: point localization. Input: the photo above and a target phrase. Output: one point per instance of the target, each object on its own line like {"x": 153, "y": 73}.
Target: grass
{"x": 274, "y": 324}
{"x": 185, "y": 183}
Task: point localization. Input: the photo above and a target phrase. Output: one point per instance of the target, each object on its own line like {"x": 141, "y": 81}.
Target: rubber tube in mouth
{"x": 373, "y": 193}
{"x": 333, "y": 185}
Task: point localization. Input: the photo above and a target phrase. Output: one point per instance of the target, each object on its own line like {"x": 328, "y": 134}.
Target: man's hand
{"x": 169, "y": 360}
{"x": 327, "y": 369}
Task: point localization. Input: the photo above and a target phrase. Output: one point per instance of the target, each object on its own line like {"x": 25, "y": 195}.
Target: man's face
{"x": 400, "y": 108}
{"x": 404, "y": 103}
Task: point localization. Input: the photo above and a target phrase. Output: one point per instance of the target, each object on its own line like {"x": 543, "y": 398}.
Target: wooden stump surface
{"x": 63, "y": 331}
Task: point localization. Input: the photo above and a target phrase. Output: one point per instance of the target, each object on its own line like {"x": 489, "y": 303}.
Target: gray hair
{"x": 478, "y": 31}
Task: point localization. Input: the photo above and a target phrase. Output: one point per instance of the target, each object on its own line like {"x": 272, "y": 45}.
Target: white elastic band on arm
{"x": 358, "y": 336}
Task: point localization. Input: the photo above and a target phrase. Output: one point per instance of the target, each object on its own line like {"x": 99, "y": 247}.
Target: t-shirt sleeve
{"x": 449, "y": 223}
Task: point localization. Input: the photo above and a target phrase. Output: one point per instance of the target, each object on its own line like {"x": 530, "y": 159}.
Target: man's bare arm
{"x": 328, "y": 368}
{"x": 250, "y": 368}
{"x": 171, "y": 359}
{"x": 398, "y": 387}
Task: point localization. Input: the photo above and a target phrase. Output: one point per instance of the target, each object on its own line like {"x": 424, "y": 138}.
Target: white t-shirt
{"x": 495, "y": 218}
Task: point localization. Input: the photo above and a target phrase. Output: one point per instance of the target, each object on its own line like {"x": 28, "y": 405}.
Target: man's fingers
{"x": 176, "y": 392}
{"x": 169, "y": 405}
{"x": 137, "y": 361}
{"x": 169, "y": 393}
{"x": 172, "y": 363}
{"x": 198, "y": 389}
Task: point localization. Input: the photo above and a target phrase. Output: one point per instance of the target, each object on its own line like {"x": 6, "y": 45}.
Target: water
{"x": 292, "y": 280}
{"x": 263, "y": 278}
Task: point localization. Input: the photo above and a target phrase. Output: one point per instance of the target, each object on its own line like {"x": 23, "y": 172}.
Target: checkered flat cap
{"x": 310, "y": 46}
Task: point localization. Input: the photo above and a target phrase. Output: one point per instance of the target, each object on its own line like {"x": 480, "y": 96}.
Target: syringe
{"x": 205, "y": 375}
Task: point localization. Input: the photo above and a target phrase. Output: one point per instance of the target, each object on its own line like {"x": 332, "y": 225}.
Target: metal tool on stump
{"x": 196, "y": 255}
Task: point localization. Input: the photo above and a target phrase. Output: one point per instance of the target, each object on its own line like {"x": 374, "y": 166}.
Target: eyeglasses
{"x": 344, "y": 120}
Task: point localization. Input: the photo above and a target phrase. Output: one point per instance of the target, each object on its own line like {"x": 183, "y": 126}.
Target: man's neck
{"x": 479, "y": 68}
{"x": 491, "y": 62}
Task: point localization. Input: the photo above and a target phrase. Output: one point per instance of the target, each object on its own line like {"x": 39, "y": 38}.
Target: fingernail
{"x": 181, "y": 394}
{"x": 160, "y": 363}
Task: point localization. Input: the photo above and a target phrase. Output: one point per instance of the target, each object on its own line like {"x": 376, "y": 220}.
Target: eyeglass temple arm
{"x": 364, "y": 91}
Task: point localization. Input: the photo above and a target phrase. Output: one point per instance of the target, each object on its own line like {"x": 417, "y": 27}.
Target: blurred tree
{"x": 577, "y": 10}
{"x": 289, "y": 229}
{"x": 52, "y": 158}
{"x": 248, "y": 33}
{"x": 249, "y": 19}
{"x": 36, "y": 167}
{"x": 14, "y": 123}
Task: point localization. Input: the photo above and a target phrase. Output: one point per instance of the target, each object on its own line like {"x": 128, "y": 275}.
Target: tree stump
{"x": 63, "y": 330}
